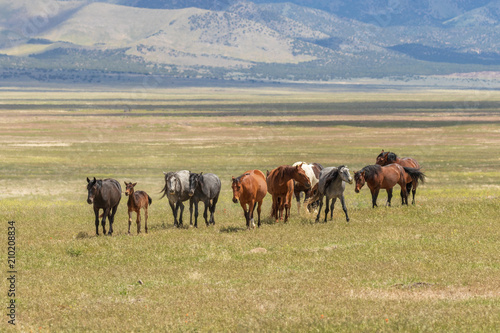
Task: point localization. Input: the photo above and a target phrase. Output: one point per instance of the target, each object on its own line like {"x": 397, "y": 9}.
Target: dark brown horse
{"x": 280, "y": 185}
{"x": 382, "y": 177}
{"x": 136, "y": 201}
{"x": 250, "y": 189}
{"x": 386, "y": 158}
{"x": 106, "y": 195}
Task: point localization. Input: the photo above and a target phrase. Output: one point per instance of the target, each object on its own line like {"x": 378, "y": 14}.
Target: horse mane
{"x": 382, "y": 154}
{"x": 371, "y": 171}
{"x": 332, "y": 176}
{"x": 238, "y": 179}
{"x": 391, "y": 157}
{"x": 285, "y": 170}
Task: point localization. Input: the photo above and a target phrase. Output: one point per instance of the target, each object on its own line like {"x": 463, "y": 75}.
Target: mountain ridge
{"x": 248, "y": 39}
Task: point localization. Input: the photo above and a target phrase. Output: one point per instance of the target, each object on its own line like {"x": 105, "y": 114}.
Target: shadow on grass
{"x": 232, "y": 229}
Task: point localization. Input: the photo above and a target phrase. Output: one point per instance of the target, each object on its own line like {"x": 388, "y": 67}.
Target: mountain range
{"x": 260, "y": 39}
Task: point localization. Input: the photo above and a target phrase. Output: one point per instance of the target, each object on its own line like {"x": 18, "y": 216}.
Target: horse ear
{"x": 125, "y": 183}
{"x": 233, "y": 179}
{"x": 164, "y": 173}
{"x": 88, "y": 180}
{"x": 382, "y": 151}
{"x": 94, "y": 180}
{"x": 134, "y": 184}
{"x": 201, "y": 173}
{"x": 363, "y": 174}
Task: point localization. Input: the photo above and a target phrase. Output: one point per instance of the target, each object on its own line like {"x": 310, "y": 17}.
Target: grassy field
{"x": 434, "y": 266}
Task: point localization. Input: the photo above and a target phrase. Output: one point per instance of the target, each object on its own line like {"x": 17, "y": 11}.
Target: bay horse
{"x": 332, "y": 185}
{"x": 106, "y": 195}
{"x": 386, "y": 158}
{"x": 312, "y": 171}
{"x": 177, "y": 191}
{"x": 206, "y": 188}
{"x": 250, "y": 189}
{"x": 382, "y": 177}
{"x": 280, "y": 185}
{"x": 136, "y": 201}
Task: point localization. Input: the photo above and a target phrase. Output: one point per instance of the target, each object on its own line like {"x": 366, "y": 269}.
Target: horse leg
{"x": 129, "y": 220}
{"x": 389, "y": 197}
{"x": 332, "y": 207}
{"x": 251, "y": 207}
{"x": 259, "y": 209}
{"x": 327, "y": 208}
{"x": 103, "y": 221}
{"x": 112, "y": 219}
{"x": 174, "y": 213}
{"x": 146, "y": 219}
{"x": 319, "y": 209}
{"x": 182, "y": 212}
{"x": 138, "y": 221}
{"x": 191, "y": 211}
{"x": 374, "y": 197}
{"x": 413, "y": 191}
{"x": 212, "y": 209}
{"x": 344, "y": 207}
{"x": 96, "y": 213}
{"x": 244, "y": 206}
{"x": 205, "y": 213}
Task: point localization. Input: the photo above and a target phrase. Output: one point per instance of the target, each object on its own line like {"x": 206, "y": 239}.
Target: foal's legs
{"x": 129, "y": 220}
{"x": 138, "y": 221}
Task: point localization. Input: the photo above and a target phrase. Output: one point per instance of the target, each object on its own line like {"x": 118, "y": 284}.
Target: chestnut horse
{"x": 386, "y": 158}
{"x": 136, "y": 201}
{"x": 250, "y": 188}
{"x": 382, "y": 177}
{"x": 280, "y": 185}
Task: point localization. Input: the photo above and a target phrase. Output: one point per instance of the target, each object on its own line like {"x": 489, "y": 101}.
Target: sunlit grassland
{"x": 429, "y": 267}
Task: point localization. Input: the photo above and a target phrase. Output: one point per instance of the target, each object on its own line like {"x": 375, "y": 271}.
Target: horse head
{"x": 359, "y": 177}
{"x": 195, "y": 179}
{"x": 93, "y": 188}
{"x": 129, "y": 188}
{"x": 300, "y": 176}
{"x": 344, "y": 174}
{"x": 236, "y": 186}
{"x": 382, "y": 158}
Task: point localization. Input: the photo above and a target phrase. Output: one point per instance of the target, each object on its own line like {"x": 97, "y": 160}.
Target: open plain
{"x": 434, "y": 266}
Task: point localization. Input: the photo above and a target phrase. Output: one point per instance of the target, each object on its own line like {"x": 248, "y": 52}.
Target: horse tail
{"x": 150, "y": 200}
{"x": 415, "y": 174}
{"x": 163, "y": 190}
{"x": 315, "y": 195}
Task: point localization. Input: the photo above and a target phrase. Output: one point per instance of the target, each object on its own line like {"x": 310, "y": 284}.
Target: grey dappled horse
{"x": 177, "y": 191}
{"x": 332, "y": 185}
{"x": 206, "y": 188}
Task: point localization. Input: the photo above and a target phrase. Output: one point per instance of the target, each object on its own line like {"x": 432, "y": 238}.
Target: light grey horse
{"x": 206, "y": 188}
{"x": 332, "y": 184}
{"x": 177, "y": 190}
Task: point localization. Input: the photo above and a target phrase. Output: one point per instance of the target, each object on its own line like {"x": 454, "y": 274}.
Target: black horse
{"x": 206, "y": 188}
{"x": 106, "y": 195}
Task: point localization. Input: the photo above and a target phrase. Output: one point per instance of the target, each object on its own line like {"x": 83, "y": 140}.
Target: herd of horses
{"x": 249, "y": 189}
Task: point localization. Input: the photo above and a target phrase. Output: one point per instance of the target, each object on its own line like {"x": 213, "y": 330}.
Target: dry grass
{"x": 432, "y": 267}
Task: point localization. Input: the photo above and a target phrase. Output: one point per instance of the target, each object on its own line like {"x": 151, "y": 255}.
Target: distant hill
{"x": 229, "y": 39}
